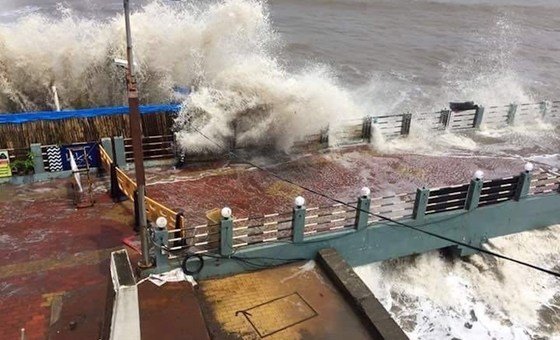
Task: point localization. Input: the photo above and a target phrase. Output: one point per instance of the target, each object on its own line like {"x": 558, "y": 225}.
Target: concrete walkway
{"x": 294, "y": 301}
{"x": 54, "y": 260}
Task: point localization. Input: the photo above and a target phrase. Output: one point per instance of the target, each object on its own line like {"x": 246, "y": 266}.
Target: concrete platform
{"x": 375, "y": 316}
{"x": 295, "y": 301}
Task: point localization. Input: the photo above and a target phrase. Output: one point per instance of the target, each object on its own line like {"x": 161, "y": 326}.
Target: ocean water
{"x": 433, "y": 297}
{"x": 288, "y": 68}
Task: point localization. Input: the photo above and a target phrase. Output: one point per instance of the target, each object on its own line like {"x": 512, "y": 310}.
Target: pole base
{"x": 143, "y": 265}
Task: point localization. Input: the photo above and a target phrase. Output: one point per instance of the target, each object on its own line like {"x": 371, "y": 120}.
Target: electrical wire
{"x": 388, "y": 219}
{"x": 186, "y": 254}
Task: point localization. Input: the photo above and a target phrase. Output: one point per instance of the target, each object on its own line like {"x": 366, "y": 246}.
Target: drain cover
{"x": 279, "y": 314}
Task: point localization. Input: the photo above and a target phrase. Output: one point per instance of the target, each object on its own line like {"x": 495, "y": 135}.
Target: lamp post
{"x": 136, "y": 135}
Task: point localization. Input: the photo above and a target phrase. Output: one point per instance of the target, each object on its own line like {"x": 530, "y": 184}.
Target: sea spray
{"x": 481, "y": 297}
{"x": 488, "y": 74}
{"x": 228, "y": 54}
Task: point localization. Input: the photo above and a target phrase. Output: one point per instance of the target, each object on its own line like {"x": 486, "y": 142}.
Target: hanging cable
{"x": 388, "y": 219}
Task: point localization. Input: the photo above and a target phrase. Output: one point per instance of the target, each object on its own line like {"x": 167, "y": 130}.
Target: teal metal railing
{"x": 303, "y": 223}
{"x": 400, "y": 125}
{"x": 358, "y": 130}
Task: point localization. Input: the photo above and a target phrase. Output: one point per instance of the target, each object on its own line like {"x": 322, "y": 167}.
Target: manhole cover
{"x": 279, "y": 314}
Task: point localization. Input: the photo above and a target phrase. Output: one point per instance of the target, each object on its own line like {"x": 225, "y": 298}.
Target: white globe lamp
{"x": 299, "y": 201}
{"x": 226, "y": 212}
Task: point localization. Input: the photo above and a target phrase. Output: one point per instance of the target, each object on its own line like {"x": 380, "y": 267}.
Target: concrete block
{"x": 378, "y": 320}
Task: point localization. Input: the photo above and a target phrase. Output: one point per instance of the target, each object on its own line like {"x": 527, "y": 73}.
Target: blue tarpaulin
{"x": 19, "y": 118}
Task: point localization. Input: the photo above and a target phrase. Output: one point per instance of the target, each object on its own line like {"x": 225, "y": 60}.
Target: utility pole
{"x": 136, "y": 135}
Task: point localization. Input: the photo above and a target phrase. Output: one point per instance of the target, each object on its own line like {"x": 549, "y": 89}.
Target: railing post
{"x": 523, "y": 184}
{"x": 161, "y": 236}
{"x": 37, "y": 154}
{"x": 473, "y": 195}
{"x": 362, "y": 211}
{"x": 179, "y": 224}
{"x": 478, "y": 116}
{"x": 116, "y": 193}
{"x": 136, "y": 211}
{"x": 366, "y": 129}
{"x": 120, "y": 155}
{"x": 233, "y": 143}
{"x": 511, "y": 114}
{"x": 298, "y": 219}
{"x": 420, "y": 203}
{"x": 405, "y": 127}
{"x": 226, "y": 233}
{"x": 445, "y": 118}
{"x": 107, "y": 144}
{"x": 544, "y": 108}
{"x": 325, "y": 137}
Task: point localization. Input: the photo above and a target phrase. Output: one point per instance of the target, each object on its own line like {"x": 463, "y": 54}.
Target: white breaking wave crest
{"x": 484, "y": 297}
{"x": 228, "y": 54}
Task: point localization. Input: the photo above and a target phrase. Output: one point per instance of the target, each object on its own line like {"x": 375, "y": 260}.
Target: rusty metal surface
{"x": 170, "y": 312}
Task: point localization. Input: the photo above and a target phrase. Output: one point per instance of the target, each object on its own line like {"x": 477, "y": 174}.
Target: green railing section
{"x": 351, "y": 131}
{"x": 455, "y": 210}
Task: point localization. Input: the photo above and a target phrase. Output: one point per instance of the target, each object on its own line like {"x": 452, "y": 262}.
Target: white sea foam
{"x": 228, "y": 52}
{"x": 483, "y": 297}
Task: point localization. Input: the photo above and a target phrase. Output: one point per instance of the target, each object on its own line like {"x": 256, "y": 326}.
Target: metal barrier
{"x": 326, "y": 219}
{"x": 447, "y": 199}
{"x": 554, "y": 110}
{"x": 155, "y": 147}
{"x": 199, "y": 239}
{"x": 390, "y": 126}
{"x": 127, "y": 186}
{"x": 282, "y": 227}
{"x": 347, "y": 132}
{"x": 261, "y": 229}
{"x": 360, "y": 130}
{"x": 396, "y": 206}
{"x": 229, "y": 235}
{"x": 498, "y": 190}
{"x": 544, "y": 183}
{"x": 496, "y": 116}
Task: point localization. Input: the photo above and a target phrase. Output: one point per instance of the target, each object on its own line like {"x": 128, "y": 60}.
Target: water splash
{"x": 483, "y": 297}
{"x": 228, "y": 53}
{"x": 486, "y": 72}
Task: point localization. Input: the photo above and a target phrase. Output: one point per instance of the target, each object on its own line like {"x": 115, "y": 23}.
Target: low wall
{"x": 464, "y": 216}
{"x": 385, "y": 240}
{"x": 125, "y": 320}
{"x": 377, "y": 319}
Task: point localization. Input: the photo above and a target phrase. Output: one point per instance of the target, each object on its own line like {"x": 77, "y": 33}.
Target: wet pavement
{"x": 55, "y": 258}
{"x": 170, "y": 312}
{"x": 295, "y": 301}
{"x": 54, "y": 266}
{"x": 337, "y": 173}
